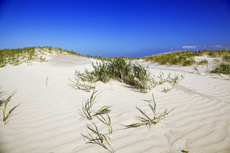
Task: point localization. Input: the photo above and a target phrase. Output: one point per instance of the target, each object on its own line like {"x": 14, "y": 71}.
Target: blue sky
{"x": 108, "y": 28}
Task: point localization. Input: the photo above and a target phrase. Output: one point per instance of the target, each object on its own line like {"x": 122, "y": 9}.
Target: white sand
{"x": 47, "y": 119}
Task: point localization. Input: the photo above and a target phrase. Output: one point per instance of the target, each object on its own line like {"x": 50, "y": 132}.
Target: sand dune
{"x": 47, "y": 119}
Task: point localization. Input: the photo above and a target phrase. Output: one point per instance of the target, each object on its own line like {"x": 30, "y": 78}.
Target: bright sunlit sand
{"x": 48, "y": 120}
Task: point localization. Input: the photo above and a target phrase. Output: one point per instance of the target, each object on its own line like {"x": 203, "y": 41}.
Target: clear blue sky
{"x": 133, "y": 28}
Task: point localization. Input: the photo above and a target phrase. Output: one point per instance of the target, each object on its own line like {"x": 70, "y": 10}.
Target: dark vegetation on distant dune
{"x": 185, "y": 58}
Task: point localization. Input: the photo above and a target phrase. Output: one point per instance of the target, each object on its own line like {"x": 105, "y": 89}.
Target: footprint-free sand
{"x": 48, "y": 121}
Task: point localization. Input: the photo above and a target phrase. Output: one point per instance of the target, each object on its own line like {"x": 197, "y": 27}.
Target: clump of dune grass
{"x": 223, "y": 68}
{"x": 99, "y": 138}
{"x": 226, "y": 58}
{"x": 87, "y": 107}
{"x": 131, "y": 73}
{"x": 19, "y": 56}
{"x": 5, "y": 114}
{"x": 146, "y": 119}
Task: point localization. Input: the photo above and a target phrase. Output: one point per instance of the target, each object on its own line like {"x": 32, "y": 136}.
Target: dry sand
{"x": 47, "y": 119}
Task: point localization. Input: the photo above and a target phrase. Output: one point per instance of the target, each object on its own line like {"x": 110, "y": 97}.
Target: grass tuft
{"x": 145, "y": 119}
{"x": 223, "y": 68}
{"x": 133, "y": 74}
{"x": 173, "y": 80}
{"x": 87, "y": 108}
{"x": 5, "y": 114}
{"x": 80, "y": 83}
{"x": 99, "y": 138}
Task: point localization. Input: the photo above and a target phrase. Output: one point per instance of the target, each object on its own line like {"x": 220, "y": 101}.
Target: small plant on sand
{"x": 87, "y": 108}
{"x": 1, "y": 93}
{"x": 47, "y": 80}
{"x": 162, "y": 78}
{"x": 145, "y": 119}
{"x": 82, "y": 84}
{"x": 173, "y": 80}
{"x": 99, "y": 138}
{"x": 196, "y": 70}
{"x": 166, "y": 89}
{"x": 6, "y": 115}
{"x": 203, "y": 62}
{"x": 176, "y": 79}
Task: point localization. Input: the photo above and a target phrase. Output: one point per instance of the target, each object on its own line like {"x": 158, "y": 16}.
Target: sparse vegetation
{"x": 172, "y": 80}
{"x": 6, "y": 115}
{"x": 80, "y": 83}
{"x": 203, "y": 62}
{"x": 223, "y": 68}
{"x": 87, "y": 108}
{"x": 47, "y": 80}
{"x": 88, "y": 113}
{"x": 19, "y": 56}
{"x": 99, "y": 137}
{"x": 197, "y": 70}
{"x": 226, "y": 58}
{"x": 29, "y": 54}
{"x": 185, "y": 58}
{"x": 146, "y": 120}
{"x": 119, "y": 69}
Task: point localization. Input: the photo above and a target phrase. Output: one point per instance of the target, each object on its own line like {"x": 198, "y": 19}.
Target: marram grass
{"x": 5, "y": 114}
{"x": 80, "y": 83}
{"x": 146, "y": 119}
{"x": 101, "y": 139}
{"x": 87, "y": 107}
{"x": 133, "y": 74}
{"x": 185, "y": 58}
